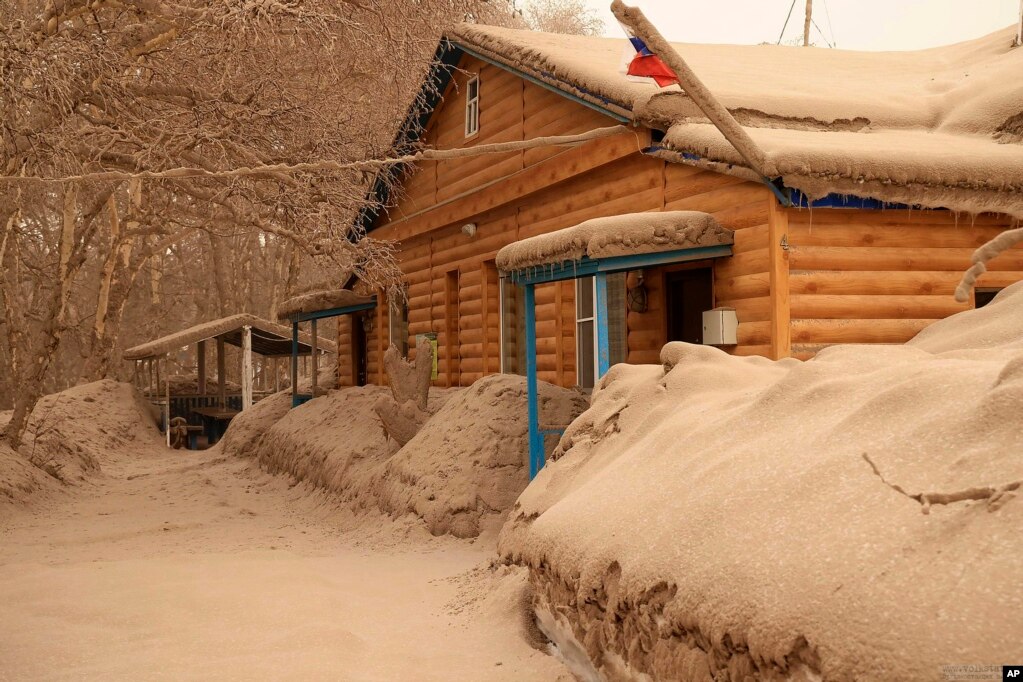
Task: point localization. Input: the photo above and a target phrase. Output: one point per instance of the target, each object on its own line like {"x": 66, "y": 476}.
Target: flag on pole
{"x": 642, "y": 65}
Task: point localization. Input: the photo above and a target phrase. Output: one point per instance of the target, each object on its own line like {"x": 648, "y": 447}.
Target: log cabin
{"x": 887, "y": 171}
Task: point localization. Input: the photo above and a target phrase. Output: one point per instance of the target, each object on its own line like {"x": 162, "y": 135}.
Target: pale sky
{"x": 854, "y": 24}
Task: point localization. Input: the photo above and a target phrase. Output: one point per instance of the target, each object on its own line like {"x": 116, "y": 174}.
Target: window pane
{"x": 617, "y": 312}
{"x": 584, "y": 350}
{"x": 584, "y": 298}
{"x": 513, "y": 329}
{"x": 474, "y": 88}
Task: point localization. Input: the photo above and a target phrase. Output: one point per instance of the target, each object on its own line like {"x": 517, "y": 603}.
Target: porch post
{"x": 166, "y": 409}
{"x": 294, "y": 363}
{"x": 221, "y": 373}
{"x": 600, "y": 317}
{"x": 536, "y": 454}
{"x": 246, "y": 367}
{"x": 314, "y": 360}
{"x": 200, "y": 352}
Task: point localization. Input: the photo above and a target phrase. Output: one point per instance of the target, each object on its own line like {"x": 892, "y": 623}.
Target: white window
{"x": 472, "y": 106}
{"x": 585, "y": 332}
{"x": 513, "y": 328}
{"x": 585, "y": 326}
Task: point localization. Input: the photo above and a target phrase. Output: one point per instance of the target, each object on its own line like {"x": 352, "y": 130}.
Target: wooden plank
{"x": 875, "y": 306}
{"x": 856, "y": 331}
{"x": 910, "y": 283}
{"x": 894, "y": 258}
{"x": 744, "y": 263}
{"x": 856, "y": 233}
{"x": 778, "y": 225}
{"x": 528, "y": 181}
{"x": 742, "y": 286}
{"x": 821, "y": 216}
{"x": 752, "y": 238}
{"x": 451, "y": 327}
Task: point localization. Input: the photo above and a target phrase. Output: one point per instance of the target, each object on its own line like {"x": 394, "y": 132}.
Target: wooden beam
{"x": 166, "y": 406}
{"x": 315, "y": 357}
{"x": 294, "y": 363}
{"x": 221, "y": 372}
{"x": 247, "y": 367}
{"x": 451, "y": 326}
{"x": 781, "y": 333}
{"x": 510, "y": 188}
{"x": 200, "y": 352}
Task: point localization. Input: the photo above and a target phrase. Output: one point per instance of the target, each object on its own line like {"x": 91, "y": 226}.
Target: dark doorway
{"x": 687, "y": 294}
{"x": 360, "y": 356}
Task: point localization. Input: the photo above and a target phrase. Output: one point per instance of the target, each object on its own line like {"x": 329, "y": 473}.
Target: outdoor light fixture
{"x": 469, "y": 229}
{"x": 636, "y": 298}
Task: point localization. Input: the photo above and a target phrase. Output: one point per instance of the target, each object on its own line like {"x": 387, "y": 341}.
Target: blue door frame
{"x": 599, "y": 269}
{"x": 296, "y": 397}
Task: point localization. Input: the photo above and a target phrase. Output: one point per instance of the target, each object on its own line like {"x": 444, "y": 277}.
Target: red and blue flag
{"x": 644, "y": 65}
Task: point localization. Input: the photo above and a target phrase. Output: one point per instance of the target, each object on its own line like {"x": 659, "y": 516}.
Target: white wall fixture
{"x": 720, "y": 326}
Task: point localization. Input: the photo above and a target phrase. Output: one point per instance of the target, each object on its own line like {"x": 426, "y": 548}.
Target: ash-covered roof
{"x": 940, "y": 128}
{"x": 268, "y": 339}
{"x": 612, "y": 236}
{"x": 317, "y": 301}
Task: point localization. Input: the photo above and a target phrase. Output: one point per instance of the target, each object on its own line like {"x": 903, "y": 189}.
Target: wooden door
{"x": 687, "y": 294}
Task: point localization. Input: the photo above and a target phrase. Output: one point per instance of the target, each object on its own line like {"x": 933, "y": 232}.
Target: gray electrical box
{"x": 719, "y": 327}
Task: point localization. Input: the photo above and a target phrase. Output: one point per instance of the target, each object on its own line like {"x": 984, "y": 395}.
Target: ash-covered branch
{"x": 996, "y": 496}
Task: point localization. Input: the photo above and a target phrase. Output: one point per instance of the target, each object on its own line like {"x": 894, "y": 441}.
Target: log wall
{"x": 799, "y": 280}
{"x": 858, "y": 276}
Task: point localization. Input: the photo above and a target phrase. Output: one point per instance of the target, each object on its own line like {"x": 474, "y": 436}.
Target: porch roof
{"x": 268, "y": 339}
{"x": 323, "y": 303}
{"x": 616, "y": 243}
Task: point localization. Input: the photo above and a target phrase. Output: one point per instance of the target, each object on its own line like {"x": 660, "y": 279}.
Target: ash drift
{"x": 733, "y": 516}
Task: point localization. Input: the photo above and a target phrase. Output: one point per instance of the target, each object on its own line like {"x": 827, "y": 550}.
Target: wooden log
{"x": 742, "y": 286}
{"x": 752, "y": 309}
{"x": 521, "y": 184}
{"x": 753, "y": 333}
{"x": 779, "y": 300}
{"x": 222, "y": 374}
{"x": 894, "y": 217}
{"x": 875, "y": 306}
{"x": 721, "y": 198}
{"x": 246, "y": 367}
{"x": 862, "y": 234}
{"x": 893, "y": 258}
{"x": 856, "y": 331}
{"x": 752, "y": 238}
{"x": 682, "y": 182}
{"x": 763, "y": 350}
{"x": 200, "y": 370}
{"x": 743, "y": 264}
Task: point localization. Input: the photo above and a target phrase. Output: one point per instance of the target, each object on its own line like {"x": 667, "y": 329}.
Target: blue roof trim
{"x": 800, "y": 200}
{"x": 586, "y": 266}
{"x": 781, "y": 193}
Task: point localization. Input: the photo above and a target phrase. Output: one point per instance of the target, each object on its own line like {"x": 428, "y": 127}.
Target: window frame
{"x": 472, "y": 108}
{"x": 592, "y": 319}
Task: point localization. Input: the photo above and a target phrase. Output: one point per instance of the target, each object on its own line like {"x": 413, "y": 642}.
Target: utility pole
{"x": 808, "y": 20}
{"x": 1019, "y": 28}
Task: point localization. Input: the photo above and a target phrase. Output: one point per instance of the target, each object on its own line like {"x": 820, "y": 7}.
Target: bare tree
{"x": 563, "y": 16}
{"x": 88, "y": 86}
